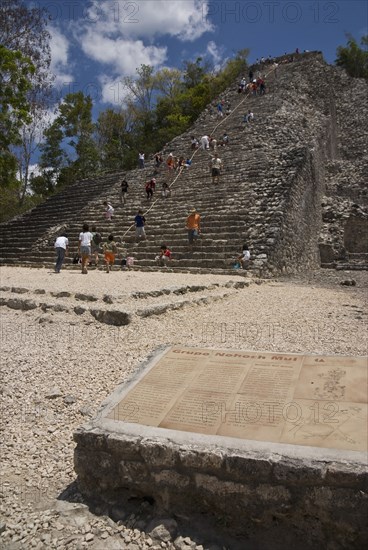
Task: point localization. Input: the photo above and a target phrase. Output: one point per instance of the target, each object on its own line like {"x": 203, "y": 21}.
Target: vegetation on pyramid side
{"x": 354, "y": 59}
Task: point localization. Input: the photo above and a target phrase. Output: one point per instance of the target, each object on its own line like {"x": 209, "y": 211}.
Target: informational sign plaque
{"x": 319, "y": 401}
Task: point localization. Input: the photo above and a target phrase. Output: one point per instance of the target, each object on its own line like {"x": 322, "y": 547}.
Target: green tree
{"x": 113, "y": 138}
{"x": 169, "y": 82}
{"x": 73, "y": 127}
{"x": 31, "y": 139}
{"x": 194, "y": 72}
{"x": 53, "y": 156}
{"x": 24, "y": 28}
{"x": 353, "y": 58}
{"x": 141, "y": 88}
{"x": 42, "y": 185}
{"x": 15, "y": 70}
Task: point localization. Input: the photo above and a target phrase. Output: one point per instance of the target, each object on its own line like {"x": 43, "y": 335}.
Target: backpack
{"x": 97, "y": 239}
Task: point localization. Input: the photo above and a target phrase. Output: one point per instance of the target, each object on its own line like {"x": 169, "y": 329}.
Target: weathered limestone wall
{"x": 345, "y": 204}
{"x": 246, "y": 489}
{"x": 297, "y": 246}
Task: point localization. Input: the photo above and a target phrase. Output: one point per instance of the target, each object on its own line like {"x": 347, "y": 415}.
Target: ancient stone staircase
{"x": 269, "y": 194}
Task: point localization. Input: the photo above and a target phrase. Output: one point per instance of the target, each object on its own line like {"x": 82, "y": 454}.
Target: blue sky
{"x": 95, "y": 44}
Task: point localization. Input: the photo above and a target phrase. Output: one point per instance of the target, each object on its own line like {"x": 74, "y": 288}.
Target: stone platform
{"x": 250, "y": 438}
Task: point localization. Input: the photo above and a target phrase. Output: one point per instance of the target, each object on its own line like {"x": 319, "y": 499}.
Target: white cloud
{"x": 119, "y": 35}
{"x": 184, "y": 19}
{"x": 34, "y": 170}
{"x": 123, "y": 55}
{"x": 112, "y": 90}
{"x": 216, "y": 54}
{"x": 59, "y": 45}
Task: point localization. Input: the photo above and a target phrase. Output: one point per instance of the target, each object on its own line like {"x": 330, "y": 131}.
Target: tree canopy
{"x": 15, "y": 70}
{"x": 25, "y": 81}
{"x": 353, "y": 58}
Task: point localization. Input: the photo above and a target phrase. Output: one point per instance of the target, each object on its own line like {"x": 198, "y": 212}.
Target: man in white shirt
{"x": 61, "y": 249}
{"x": 215, "y": 165}
{"x": 205, "y": 142}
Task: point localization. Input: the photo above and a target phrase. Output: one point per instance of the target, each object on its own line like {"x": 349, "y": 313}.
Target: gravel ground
{"x": 57, "y": 367}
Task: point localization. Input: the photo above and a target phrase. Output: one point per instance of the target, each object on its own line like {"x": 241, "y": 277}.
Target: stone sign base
{"x": 250, "y": 438}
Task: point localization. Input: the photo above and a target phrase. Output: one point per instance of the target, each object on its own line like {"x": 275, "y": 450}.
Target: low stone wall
{"x": 316, "y": 496}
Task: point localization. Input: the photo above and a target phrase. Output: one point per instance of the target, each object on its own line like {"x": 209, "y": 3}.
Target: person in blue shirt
{"x": 140, "y": 221}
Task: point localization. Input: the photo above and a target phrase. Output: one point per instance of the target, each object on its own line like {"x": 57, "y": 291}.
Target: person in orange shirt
{"x": 193, "y": 226}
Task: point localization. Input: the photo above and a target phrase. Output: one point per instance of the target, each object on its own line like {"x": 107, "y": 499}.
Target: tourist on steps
{"x": 205, "y": 142}
{"x": 95, "y": 244}
{"x": 158, "y": 159}
{"x": 61, "y": 249}
{"x": 141, "y": 160}
{"x": 140, "y": 222}
{"x": 109, "y": 211}
{"x": 193, "y": 143}
{"x": 248, "y": 117}
{"x": 193, "y": 226}
{"x": 216, "y": 167}
{"x": 84, "y": 248}
{"x": 170, "y": 162}
{"x": 242, "y": 261}
{"x": 123, "y": 191}
{"x": 164, "y": 256}
{"x": 224, "y": 140}
{"x": 244, "y": 257}
{"x": 110, "y": 250}
{"x": 165, "y": 190}
{"x": 149, "y": 189}
{"x": 213, "y": 143}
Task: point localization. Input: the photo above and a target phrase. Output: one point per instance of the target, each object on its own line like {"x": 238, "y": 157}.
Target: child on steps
{"x": 110, "y": 250}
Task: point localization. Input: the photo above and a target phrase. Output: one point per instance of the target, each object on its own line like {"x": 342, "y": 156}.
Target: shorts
{"x": 95, "y": 248}
{"x": 109, "y": 257}
{"x": 85, "y": 250}
{"x": 140, "y": 232}
{"x": 215, "y": 172}
{"x": 192, "y": 235}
